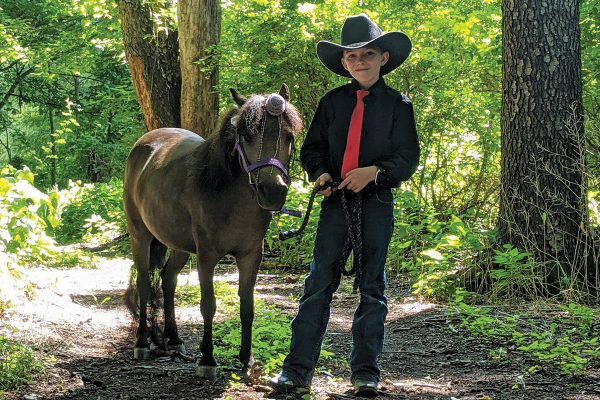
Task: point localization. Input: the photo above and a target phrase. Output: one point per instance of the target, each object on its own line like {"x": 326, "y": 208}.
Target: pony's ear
{"x": 238, "y": 98}
{"x": 285, "y": 92}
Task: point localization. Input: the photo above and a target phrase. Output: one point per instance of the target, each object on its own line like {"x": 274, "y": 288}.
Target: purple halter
{"x": 275, "y": 106}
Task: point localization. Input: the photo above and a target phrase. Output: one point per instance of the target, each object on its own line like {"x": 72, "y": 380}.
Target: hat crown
{"x": 359, "y": 29}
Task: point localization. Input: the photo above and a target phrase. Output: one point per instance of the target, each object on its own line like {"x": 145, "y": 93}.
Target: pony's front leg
{"x": 248, "y": 269}
{"x": 207, "y": 367}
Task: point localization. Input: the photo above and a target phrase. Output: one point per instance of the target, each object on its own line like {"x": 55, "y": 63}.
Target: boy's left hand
{"x": 358, "y": 178}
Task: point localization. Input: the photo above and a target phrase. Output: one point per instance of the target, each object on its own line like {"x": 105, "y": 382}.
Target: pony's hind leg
{"x": 248, "y": 269}
{"x": 140, "y": 247}
{"x": 175, "y": 263}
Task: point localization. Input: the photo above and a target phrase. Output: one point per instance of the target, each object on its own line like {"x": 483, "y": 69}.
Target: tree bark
{"x": 543, "y": 187}
{"x": 199, "y": 32}
{"x": 154, "y": 64}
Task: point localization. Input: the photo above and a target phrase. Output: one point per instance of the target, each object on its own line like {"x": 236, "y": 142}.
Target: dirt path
{"x": 78, "y": 323}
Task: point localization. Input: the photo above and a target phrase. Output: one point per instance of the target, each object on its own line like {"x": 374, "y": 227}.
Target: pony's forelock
{"x": 253, "y": 111}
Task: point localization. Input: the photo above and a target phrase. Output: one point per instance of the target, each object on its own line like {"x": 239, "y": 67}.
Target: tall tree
{"x": 152, "y": 55}
{"x": 172, "y": 68}
{"x": 199, "y": 32}
{"x": 543, "y": 186}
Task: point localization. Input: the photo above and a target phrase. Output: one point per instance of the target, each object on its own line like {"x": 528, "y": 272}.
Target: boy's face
{"x": 364, "y": 64}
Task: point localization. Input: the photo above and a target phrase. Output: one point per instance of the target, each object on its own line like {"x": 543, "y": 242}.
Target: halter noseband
{"x": 275, "y": 106}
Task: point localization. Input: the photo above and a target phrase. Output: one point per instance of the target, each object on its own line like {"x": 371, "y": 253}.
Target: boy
{"x": 362, "y": 135}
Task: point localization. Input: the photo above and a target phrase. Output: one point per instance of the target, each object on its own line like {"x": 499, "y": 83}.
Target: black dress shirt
{"x": 388, "y": 139}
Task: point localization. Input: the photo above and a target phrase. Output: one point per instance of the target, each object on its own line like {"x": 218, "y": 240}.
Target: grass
{"x": 271, "y": 329}
{"x": 17, "y": 365}
{"x": 563, "y": 336}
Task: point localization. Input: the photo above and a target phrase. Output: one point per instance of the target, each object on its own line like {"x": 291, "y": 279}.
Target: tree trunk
{"x": 199, "y": 31}
{"x": 543, "y": 186}
{"x": 152, "y": 56}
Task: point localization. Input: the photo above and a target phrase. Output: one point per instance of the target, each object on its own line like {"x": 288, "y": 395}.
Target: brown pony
{"x": 210, "y": 197}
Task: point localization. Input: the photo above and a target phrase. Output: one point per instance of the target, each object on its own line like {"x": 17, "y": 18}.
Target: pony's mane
{"x": 221, "y": 164}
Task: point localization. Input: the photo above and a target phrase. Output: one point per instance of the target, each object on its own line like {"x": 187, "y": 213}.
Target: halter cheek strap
{"x": 274, "y": 105}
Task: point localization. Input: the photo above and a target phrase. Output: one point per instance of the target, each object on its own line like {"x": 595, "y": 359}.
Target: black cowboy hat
{"x": 358, "y": 32}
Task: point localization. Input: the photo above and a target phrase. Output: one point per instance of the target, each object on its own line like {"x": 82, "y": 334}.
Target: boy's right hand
{"x": 321, "y": 180}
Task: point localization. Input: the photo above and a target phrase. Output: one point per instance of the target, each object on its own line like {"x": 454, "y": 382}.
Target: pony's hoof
{"x": 177, "y": 347}
{"x": 141, "y": 353}
{"x": 207, "y": 372}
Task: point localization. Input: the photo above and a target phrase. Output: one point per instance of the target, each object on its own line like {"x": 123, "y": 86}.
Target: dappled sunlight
{"x": 408, "y": 384}
{"x": 68, "y": 296}
{"x": 406, "y": 307}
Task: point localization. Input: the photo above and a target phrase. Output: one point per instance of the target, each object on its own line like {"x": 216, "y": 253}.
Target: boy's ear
{"x": 385, "y": 57}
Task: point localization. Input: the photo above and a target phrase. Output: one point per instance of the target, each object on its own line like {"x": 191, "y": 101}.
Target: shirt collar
{"x": 377, "y": 87}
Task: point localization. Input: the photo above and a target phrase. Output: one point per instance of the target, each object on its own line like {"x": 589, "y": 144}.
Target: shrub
{"x": 27, "y": 216}
{"x": 91, "y": 212}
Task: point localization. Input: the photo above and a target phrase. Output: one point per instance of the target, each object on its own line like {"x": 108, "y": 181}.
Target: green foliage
{"x": 17, "y": 365}
{"x": 188, "y": 294}
{"x": 567, "y": 340}
{"x": 513, "y": 274}
{"x": 72, "y": 258}
{"x": 91, "y": 212}
{"x": 294, "y": 252}
{"x": 270, "y": 330}
{"x": 433, "y": 247}
{"x": 270, "y": 337}
{"x": 70, "y": 111}
{"x": 27, "y": 216}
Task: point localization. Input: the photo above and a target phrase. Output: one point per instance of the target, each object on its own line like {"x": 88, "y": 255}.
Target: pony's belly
{"x": 176, "y": 233}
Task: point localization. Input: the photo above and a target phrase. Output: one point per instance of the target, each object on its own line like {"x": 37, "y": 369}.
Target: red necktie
{"x": 353, "y": 142}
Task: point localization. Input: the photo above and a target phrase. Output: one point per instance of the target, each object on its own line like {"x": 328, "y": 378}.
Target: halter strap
{"x": 265, "y": 162}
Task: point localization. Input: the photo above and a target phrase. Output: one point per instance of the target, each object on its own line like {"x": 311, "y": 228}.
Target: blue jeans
{"x": 310, "y": 324}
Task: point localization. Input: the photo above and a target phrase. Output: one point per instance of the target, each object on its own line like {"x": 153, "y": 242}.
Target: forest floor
{"x": 78, "y": 325}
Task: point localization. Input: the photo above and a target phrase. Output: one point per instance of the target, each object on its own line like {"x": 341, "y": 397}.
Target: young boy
{"x": 363, "y": 136}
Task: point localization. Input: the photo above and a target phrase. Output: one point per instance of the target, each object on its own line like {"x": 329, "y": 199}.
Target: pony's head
{"x": 265, "y": 129}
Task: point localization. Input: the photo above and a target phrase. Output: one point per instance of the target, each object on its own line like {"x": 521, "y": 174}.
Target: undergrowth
{"x": 18, "y": 366}
{"x": 562, "y": 336}
{"x": 271, "y": 330}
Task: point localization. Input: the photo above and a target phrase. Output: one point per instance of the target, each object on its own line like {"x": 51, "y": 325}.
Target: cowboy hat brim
{"x": 396, "y": 43}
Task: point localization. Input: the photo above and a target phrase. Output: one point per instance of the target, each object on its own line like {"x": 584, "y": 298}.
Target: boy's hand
{"x": 321, "y": 180}
{"x": 358, "y": 178}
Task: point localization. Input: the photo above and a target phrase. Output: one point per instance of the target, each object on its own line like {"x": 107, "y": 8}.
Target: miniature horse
{"x": 210, "y": 197}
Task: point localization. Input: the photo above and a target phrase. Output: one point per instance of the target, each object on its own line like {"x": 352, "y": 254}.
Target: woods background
{"x": 504, "y": 205}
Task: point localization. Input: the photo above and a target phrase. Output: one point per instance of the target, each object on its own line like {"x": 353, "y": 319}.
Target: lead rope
{"x": 353, "y": 214}
{"x": 353, "y": 217}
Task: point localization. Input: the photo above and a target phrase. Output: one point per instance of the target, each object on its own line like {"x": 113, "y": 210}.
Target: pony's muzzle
{"x": 271, "y": 195}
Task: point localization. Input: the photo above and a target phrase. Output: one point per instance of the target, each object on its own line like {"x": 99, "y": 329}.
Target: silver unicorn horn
{"x": 275, "y": 105}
